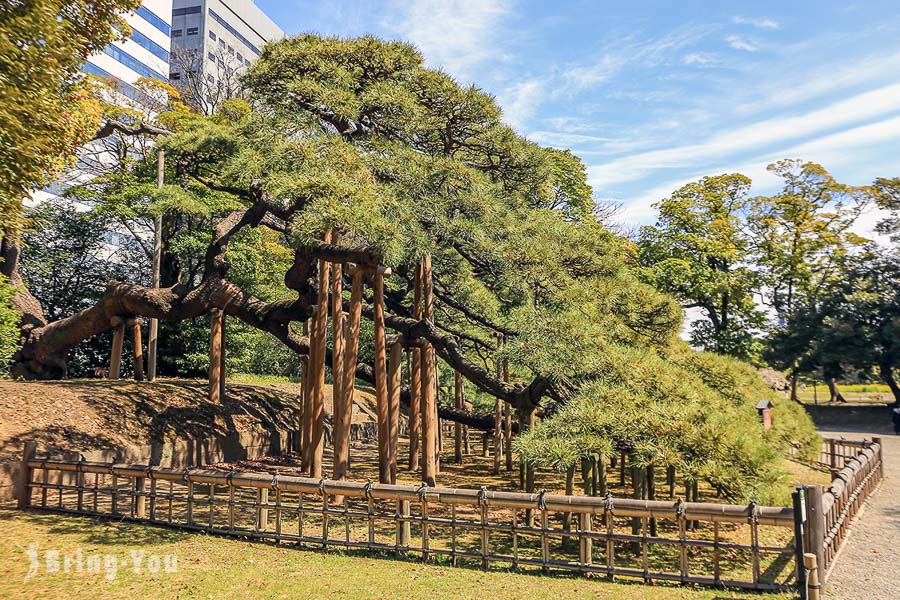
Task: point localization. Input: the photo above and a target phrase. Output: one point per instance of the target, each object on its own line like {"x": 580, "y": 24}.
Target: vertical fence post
{"x": 403, "y": 527}
{"x": 815, "y": 526}
{"x": 587, "y": 543}
{"x": 813, "y": 585}
{"x": 799, "y": 519}
{"x": 23, "y": 492}
{"x": 140, "y": 500}
{"x": 877, "y": 440}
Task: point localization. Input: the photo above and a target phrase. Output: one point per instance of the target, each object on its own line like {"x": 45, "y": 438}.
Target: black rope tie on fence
{"x": 367, "y": 489}
{"x": 275, "y": 481}
{"x": 608, "y": 502}
{"x": 679, "y": 508}
{"x": 322, "y": 486}
{"x": 186, "y": 476}
{"x": 753, "y": 513}
{"x": 149, "y": 473}
{"x": 422, "y": 491}
{"x": 540, "y": 500}
{"x": 482, "y": 496}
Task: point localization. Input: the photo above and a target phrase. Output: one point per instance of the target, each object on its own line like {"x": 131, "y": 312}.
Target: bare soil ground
{"x": 98, "y": 414}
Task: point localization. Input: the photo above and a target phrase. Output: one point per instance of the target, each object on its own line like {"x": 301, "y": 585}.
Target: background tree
{"x": 803, "y": 236}
{"x": 46, "y": 110}
{"x": 206, "y": 82}
{"x": 700, "y": 250}
{"x": 70, "y": 256}
{"x": 887, "y": 195}
{"x": 862, "y": 314}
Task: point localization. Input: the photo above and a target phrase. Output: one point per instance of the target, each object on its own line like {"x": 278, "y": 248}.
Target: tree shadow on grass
{"x": 96, "y": 531}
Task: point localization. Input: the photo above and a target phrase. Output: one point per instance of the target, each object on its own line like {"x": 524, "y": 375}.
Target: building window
{"x": 133, "y": 63}
{"x": 211, "y": 56}
{"x": 189, "y": 10}
{"x": 144, "y": 42}
{"x": 212, "y": 35}
{"x": 230, "y": 50}
{"x": 175, "y": 76}
{"x": 240, "y": 58}
{"x": 247, "y": 62}
{"x": 210, "y": 78}
{"x": 193, "y": 30}
{"x": 221, "y": 42}
{"x": 176, "y": 33}
{"x": 153, "y": 19}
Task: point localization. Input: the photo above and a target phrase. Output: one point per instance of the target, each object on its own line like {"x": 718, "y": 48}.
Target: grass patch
{"x": 217, "y": 567}
{"x": 254, "y": 379}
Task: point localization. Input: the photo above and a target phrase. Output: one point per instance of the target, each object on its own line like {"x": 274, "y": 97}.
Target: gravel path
{"x": 868, "y": 566}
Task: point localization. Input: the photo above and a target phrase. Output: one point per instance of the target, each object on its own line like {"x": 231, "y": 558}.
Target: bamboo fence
{"x": 702, "y": 543}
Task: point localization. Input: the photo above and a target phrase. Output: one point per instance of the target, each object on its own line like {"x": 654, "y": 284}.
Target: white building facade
{"x": 213, "y": 41}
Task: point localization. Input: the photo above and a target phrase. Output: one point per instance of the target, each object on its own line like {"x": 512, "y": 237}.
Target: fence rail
{"x": 687, "y": 542}
{"x": 857, "y": 469}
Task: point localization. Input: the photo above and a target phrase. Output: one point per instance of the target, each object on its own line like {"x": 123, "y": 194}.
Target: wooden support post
{"x": 460, "y": 404}
{"x": 498, "y": 414}
{"x": 23, "y": 492}
{"x": 815, "y": 525}
{"x": 527, "y": 421}
{"x": 395, "y": 380}
{"x": 428, "y": 398}
{"x": 498, "y": 435}
{"x": 415, "y": 378}
{"x": 381, "y": 382}
{"x": 320, "y": 332}
{"x": 222, "y": 371}
{"x": 343, "y": 414}
{"x": 153, "y": 335}
{"x": 337, "y": 330}
{"x": 138, "y": 361}
{"x": 215, "y": 355}
{"x": 306, "y": 398}
{"x": 507, "y": 419}
{"x": 115, "y": 360}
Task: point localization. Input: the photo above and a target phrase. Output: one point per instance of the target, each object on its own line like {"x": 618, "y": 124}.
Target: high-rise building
{"x": 213, "y": 41}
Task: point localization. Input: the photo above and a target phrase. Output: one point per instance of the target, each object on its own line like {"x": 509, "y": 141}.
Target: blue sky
{"x": 652, "y": 95}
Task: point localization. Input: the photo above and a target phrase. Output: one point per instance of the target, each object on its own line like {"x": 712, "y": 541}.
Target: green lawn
{"x": 218, "y": 567}
{"x": 858, "y": 392}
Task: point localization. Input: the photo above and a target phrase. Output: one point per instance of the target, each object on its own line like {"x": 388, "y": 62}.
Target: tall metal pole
{"x": 157, "y": 265}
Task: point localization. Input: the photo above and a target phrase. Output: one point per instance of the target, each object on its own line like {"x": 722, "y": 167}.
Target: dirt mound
{"x": 99, "y": 414}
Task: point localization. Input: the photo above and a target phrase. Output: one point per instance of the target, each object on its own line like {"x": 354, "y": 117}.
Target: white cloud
{"x": 741, "y": 43}
{"x": 627, "y": 51}
{"x": 758, "y": 23}
{"x": 700, "y": 59}
{"x": 852, "y": 151}
{"x": 453, "y": 34}
{"x": 585, "y": 76}
{"x": 520, "y": 101}
{"x": 869, "y": 105}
